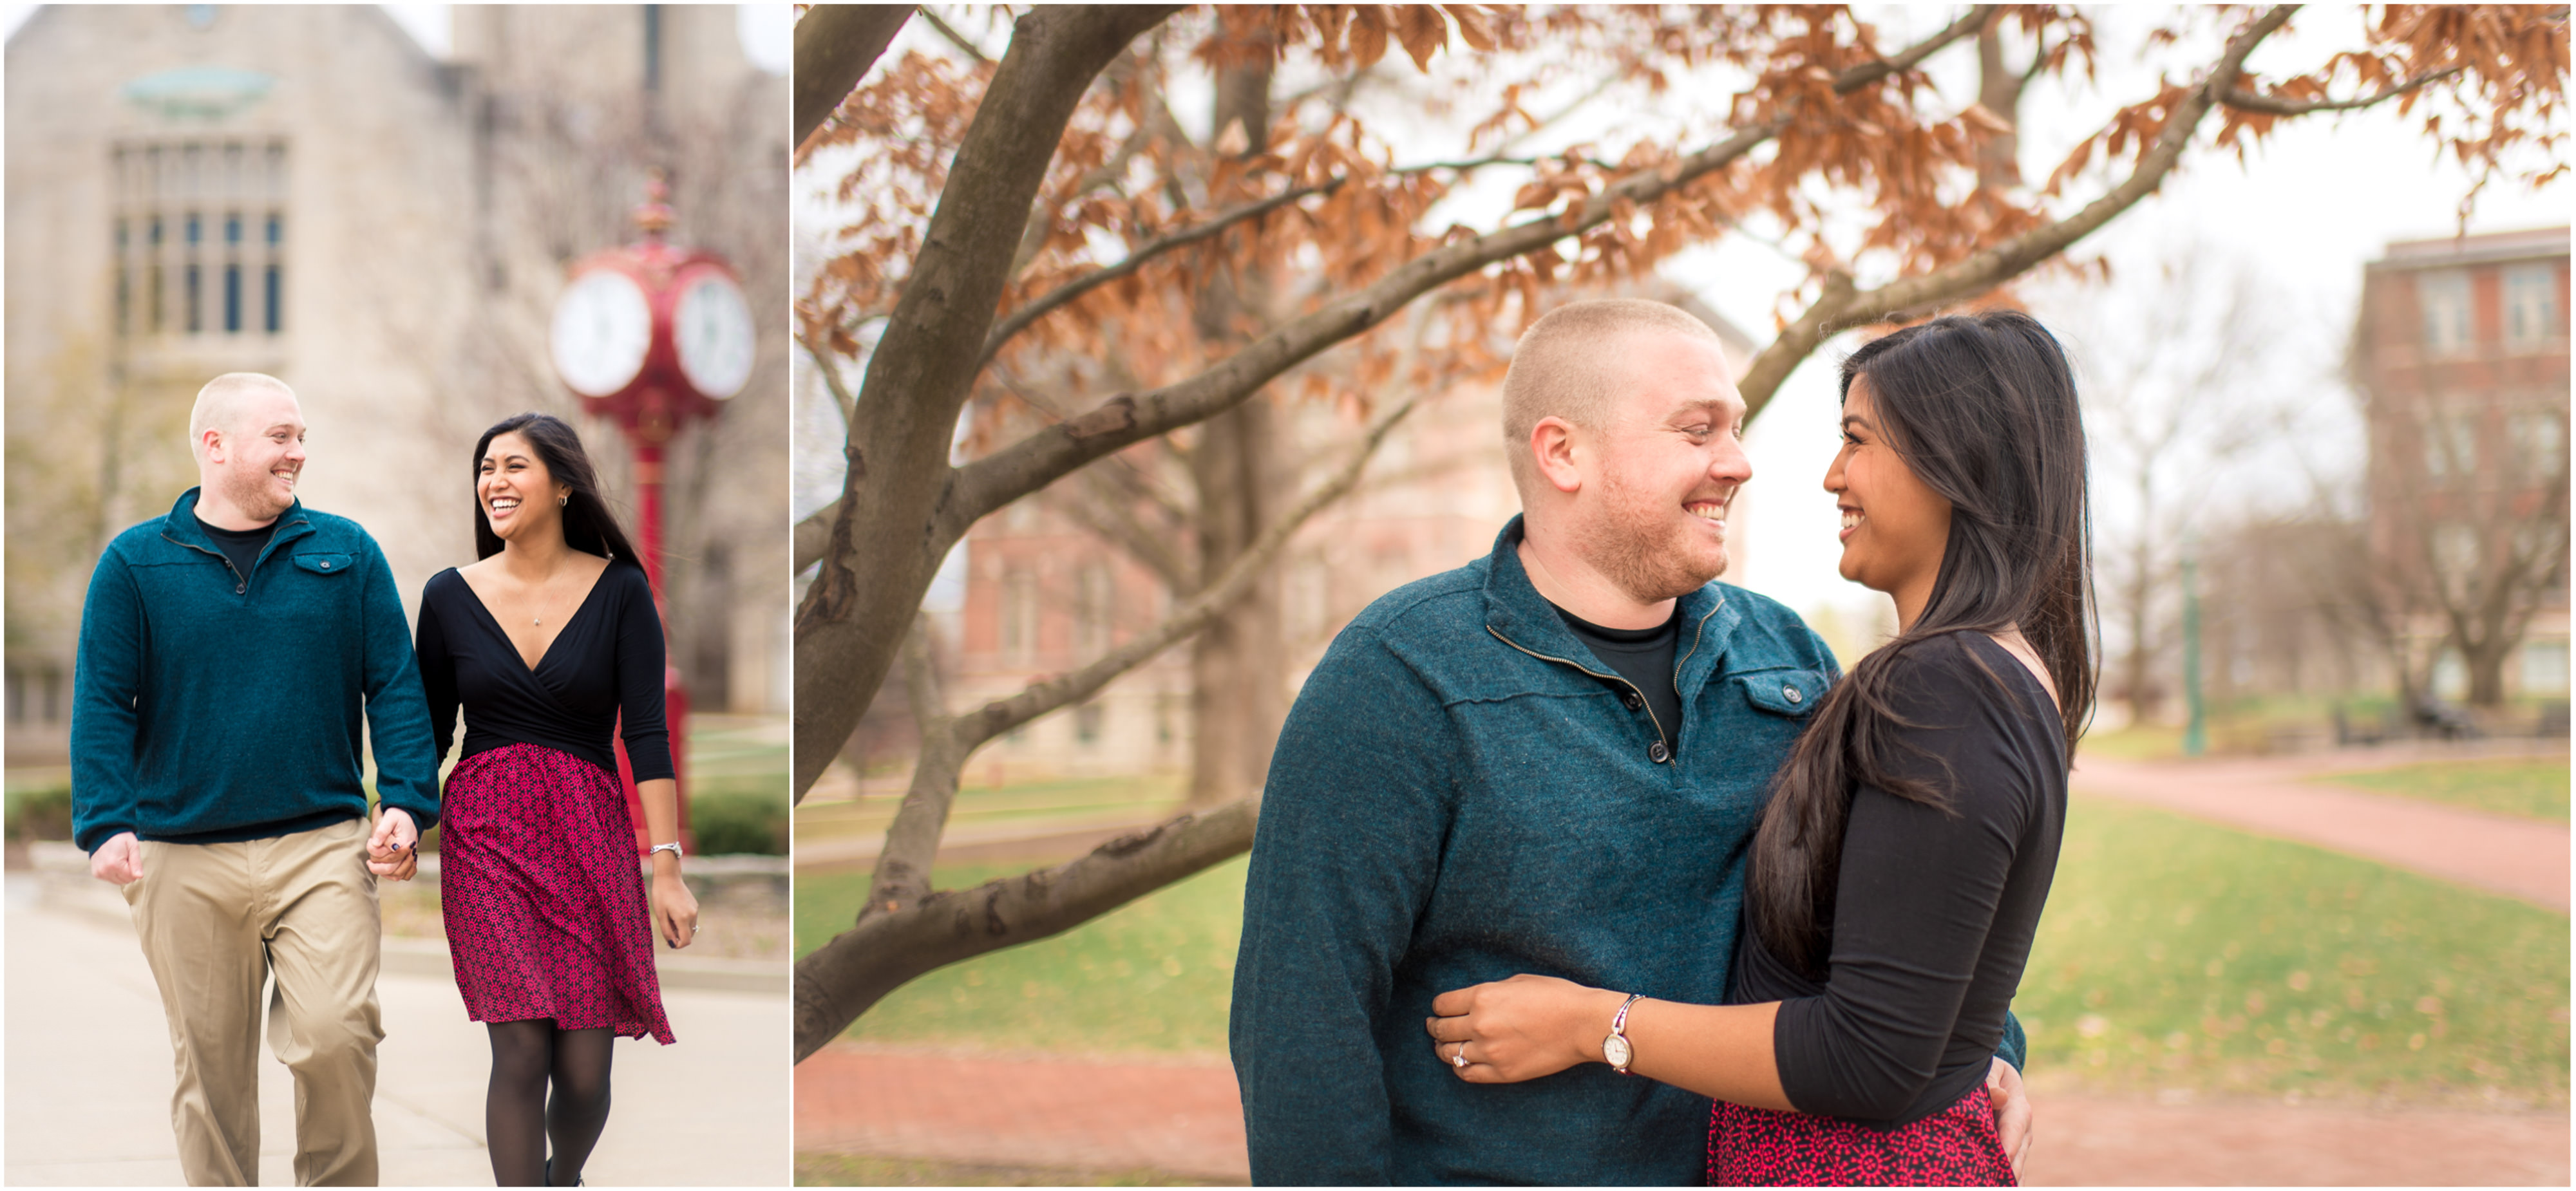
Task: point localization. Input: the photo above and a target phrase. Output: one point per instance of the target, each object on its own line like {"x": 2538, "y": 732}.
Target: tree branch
{"x": 912, "y": 840}
{"x": 1866, "y": 73}
{"x": 905, "y": 931}
{"x": 950, "y": 34}
{"x": 2247, "y": 101}
{"x": 1109, "y": 518}
{"x": 845, "y": 977}
{"x": 1002, "y": 715}
{"x": 835, "y": 46}
{"x": 1037, "y": 460}
{"x": 924, "y": 366}
{"x": 1842, "y": 305}
{"x": 1020, "y": 319}
{"x": 832, "y": 381}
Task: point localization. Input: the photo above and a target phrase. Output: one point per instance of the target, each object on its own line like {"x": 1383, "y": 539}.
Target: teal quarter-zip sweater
{"x": 210, "y": 706}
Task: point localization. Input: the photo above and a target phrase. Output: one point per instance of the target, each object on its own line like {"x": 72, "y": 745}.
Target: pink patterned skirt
{"x": 545, "y": 904}
{"x": 1955, "y": 1147}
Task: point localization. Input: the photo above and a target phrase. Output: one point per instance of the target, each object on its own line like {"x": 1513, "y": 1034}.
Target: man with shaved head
{"x": 230, "y": 652}
{"x": 1550, "y": 760}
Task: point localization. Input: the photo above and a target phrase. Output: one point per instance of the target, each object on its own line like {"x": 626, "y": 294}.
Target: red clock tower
{"x": 650, "y": 336}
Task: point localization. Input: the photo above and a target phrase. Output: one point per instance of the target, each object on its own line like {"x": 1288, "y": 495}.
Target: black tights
{"x": 519, "y": 1116}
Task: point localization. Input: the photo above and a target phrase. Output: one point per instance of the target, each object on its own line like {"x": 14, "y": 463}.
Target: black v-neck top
{"x": 607, "y": 659}
{"x": 1934, "y": 911}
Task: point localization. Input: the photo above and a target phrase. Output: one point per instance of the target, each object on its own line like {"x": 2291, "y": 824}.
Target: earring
{"x": 562, "y": 501}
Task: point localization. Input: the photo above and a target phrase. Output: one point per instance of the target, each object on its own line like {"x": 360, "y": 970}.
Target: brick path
{"x": 1183, "y": 1117}
{"x": 1041, "y": 1110}
{"x": 2516, "y": 857}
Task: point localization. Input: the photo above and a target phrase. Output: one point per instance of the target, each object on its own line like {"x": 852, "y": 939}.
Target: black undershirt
{"x": 1645, "y": 658}
{"x": 242, "y": 546}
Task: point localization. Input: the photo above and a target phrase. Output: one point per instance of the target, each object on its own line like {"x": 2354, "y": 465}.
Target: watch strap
{"x": 1619, "y": 1030}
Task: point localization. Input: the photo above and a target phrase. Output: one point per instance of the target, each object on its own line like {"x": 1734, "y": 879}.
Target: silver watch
{"x": 673, "y": 848}
{"x": 1615, "y": 1049}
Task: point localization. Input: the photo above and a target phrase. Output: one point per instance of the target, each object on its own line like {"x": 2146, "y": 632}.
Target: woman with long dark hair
{"x": 1898, "y": 873}
{"x": 551, "y": 645}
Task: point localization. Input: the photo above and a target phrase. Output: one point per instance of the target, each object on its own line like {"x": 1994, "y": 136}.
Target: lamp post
{"x": 650, "y": 336}
{"x": 2195, "y": 733}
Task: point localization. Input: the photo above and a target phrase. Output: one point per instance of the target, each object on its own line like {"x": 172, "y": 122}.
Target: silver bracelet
{"x": 673, "y": 848}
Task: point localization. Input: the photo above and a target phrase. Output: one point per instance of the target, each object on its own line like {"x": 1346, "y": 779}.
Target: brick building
{"x": 2460, "y": 356}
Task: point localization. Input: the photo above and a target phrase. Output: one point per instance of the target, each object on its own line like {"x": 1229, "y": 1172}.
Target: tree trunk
{"x": 1999, "y": 89}
{"x": 2486, "y": 662}
{"x": 1239, "y": 666}
{"x": 2140, "y": 693}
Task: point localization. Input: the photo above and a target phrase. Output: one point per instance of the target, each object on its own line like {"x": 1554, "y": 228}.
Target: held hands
{"x": 119, "y": 861}
{"x": 1521, "y": 1028}
{"x": 393, "y": 849}
{"x": 675, "y": 909}
{"x": 2012, "y": 1111}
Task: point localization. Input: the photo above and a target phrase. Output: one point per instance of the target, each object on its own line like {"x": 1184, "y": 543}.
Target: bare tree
{"x": 2172, "y": 398}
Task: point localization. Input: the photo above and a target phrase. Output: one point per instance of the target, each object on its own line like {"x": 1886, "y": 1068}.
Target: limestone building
{"x": 306, "y": 191}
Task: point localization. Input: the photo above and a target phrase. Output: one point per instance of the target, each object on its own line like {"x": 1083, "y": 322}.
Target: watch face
{"x": 1615, "y": 1049}
{"x": 602, "y": 331}
{"x": 712, "y": 328}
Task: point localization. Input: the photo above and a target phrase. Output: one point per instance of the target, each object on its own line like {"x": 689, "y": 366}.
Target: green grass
{"x": 854, "y": 1170}
{"x": 2176, "y": 954}
{"x": 2533, "y": 789}
{"x": 1018, "y": 802}
{"x": 2173, "y": 954}
{"x": 1154, "y": 975}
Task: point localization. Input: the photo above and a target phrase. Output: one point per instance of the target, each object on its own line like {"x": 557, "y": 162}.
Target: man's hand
{"x": 119, "y": 861}
{"x": 393, "y": 850}
{"x": 2012, "y": 1111}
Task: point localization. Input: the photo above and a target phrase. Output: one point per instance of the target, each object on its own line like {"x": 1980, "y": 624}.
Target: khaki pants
{"x": 217, "y": 921}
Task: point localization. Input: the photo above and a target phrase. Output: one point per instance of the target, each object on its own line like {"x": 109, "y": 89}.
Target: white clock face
{"x": 712, "y": 328}
{"x": 603, "y": 328}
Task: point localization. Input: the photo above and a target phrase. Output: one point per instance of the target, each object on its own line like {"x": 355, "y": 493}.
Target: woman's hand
{"x": 675, "y": 909}
{"x": 1521, "y": 1028}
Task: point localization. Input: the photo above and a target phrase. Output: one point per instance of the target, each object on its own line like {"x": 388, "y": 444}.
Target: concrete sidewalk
{"x": 89, "y": 1075}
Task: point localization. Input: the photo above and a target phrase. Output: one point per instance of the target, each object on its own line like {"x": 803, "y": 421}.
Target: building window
{"x": 1087, "y": 719}
{"x": 1019, "y": 616}
{"x": 2450, "y": 445}
{"x": 1093, "y": 605}
{"x": 2444, "y": 297}
{"x": 2540, "y": 437}
{"x": 2450, "y": 676}
{"x": 2544, "y": 668}
{"x": 185, "y": 256}
{"x": 2531, "y": 315}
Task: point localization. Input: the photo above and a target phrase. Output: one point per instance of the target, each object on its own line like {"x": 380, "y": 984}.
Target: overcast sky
{"x": 764, "y": 28}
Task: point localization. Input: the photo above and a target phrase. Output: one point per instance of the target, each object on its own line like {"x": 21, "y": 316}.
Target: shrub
{"x": 738, "y": 823}
{"x": 41, "y": 814}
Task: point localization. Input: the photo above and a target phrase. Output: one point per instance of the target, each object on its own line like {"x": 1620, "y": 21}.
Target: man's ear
{"x": 210, "y": 444}
{"x": 1553, "y": 445}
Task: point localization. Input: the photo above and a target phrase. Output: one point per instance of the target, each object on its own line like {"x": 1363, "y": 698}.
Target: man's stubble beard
{"x": 249, "y": 493}
{"x": 1636, "y": 561}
